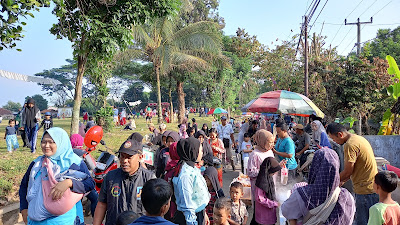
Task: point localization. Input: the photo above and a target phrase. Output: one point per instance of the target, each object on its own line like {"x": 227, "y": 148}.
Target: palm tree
{"x": 169, "y": 46}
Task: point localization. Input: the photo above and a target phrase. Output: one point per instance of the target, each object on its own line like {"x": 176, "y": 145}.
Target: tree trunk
{"x": 366, "y": 124}
{"x": 78, "y": 95}
{"x": 171, "y": 113}
{"x": 181, "y": 101}
{"x": 359, "y": 124}
{"x": 159, "y": 106}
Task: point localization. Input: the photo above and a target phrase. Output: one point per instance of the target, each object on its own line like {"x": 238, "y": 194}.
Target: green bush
{"x": 104, "y": 118}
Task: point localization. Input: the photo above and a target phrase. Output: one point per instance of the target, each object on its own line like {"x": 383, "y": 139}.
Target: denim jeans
{"x": 363, "y": 203}
{"x": 31, "y": 135}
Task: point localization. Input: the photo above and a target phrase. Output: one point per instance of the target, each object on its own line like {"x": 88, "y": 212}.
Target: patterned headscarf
{"x": 323, "y": 180}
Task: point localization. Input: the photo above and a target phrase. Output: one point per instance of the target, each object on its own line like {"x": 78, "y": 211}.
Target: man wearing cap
{"x": 121, "y": 188}
{"x": 302, "y": 141}
{"x": 225, "y": 133}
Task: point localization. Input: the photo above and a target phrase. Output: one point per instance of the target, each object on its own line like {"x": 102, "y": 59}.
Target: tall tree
{"x": 12, "y": 106}
{"x": 98, "y": 29}
{"x": 168, "y": 46}
{"x": 12, "y": 11}
{"x": 387, "y": 42}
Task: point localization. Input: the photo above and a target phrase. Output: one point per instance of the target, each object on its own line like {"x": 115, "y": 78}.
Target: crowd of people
{"x": 184, "y": 185}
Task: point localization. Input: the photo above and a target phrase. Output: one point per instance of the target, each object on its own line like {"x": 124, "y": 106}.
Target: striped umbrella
{"x": 286, "y": 102}
{"x": 217, "y": 111}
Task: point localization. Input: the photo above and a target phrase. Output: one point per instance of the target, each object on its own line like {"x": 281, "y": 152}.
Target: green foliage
{"x": 11, "y": 13}
{"x": 40, "y": 102}
{"x": 12, "y": 106}
{"x": 387, "y": 42}
{"x": 394, "y": 91}
{"x": 66, "y": 74}
{"x": 104, "y": 118}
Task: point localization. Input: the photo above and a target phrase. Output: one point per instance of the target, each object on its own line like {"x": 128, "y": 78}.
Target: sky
{"x": 271, "y": 21}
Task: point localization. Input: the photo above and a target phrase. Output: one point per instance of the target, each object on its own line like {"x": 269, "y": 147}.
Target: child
{"x": 265, "y": 199}
{"x": 246, "y": 149}
{"x": 90, "y": 124}
{"x": 11, "y": 136}
{"x": 239, "y": 214}
{"x": 156, "y": 198}
{"x": 211, "y": 177}
{"x": 131, "y": 125}
{"x": 218, "y": 149}
{"x": 126, "y": 218}
{"x": 47, "y": 123}
{"x": 386, "y": 211}
{"x": 222, "y": 209}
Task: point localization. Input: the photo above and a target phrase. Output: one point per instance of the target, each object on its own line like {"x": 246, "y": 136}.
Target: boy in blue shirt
{"x": 156, "y": 199}
{"x": 285, "y": 149}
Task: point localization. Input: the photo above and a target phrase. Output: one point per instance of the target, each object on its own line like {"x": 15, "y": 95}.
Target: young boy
{"x": 47, "y": 123}
{"x": 239, "y": 212}
{"x": 126, "y": 218}
{"x": 11, "y": 136}
{"x": 246, "y": 149}
{"x": 386, "y": 211}
{"x": 156, "y": 199}
{"x": 221, "y": 213}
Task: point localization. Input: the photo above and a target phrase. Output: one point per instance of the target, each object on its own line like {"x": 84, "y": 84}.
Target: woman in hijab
{"x": 30, "y": 121}
{"x": 265, "y": 142}
{"x": 69, "y": 171}
{"x": 207, "y": 151}
{"x": 164, "y": 157}
{"x": 322, "y": 201}
{"x": 263, "y": 124}
{"x": 265, "y": 201}
{"x": 190, "y": 187}
{"x": 214, "y": 188}
{"x": 205, "y": 129}
{"x": 319, "y": 136}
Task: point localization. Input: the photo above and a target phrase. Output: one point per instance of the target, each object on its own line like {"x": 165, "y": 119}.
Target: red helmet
{"x": 93, "y": 136}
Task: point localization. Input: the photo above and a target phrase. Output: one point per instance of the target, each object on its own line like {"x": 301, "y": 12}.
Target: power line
{"x": 319, "y": 14}
{"x": 345, "y": 18}
{"x": 381, "y": 24}
{"x": 382, "y": 8}
{"x": 368, "y": 8}
{"x": 345, "y": 36}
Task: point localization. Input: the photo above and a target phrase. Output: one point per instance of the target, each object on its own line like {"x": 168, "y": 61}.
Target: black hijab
{"x": 188, "y": 150}
{"x": 30, "y": 113}
{"x": 207, "y": 150}
{"x": 174, "y": 135}
{"x": 212, "y": 174}
{"x": 264, "y": 180}
{"x": 206, "y": 131}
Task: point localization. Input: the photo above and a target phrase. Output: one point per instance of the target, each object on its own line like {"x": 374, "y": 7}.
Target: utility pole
{"x": 358, "y": 32}
{"x": 305, "y": 57}
{"x": 358, "y": 54}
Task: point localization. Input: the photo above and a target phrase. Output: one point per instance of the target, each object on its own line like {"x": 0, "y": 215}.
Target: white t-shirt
{"x": 245, "y": 146}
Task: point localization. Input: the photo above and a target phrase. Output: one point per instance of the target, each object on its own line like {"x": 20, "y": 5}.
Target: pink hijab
{"x": 262, "y": 137}
{"x": 76, "y": 141}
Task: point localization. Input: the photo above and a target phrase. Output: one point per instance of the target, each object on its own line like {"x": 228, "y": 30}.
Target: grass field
{"x": 14, "y": 165}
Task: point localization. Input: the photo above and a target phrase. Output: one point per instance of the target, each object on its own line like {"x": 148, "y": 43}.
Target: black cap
{"x": 131, "y": 147}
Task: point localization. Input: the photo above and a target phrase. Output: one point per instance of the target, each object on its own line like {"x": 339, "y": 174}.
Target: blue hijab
{"x": 64, "y": 156}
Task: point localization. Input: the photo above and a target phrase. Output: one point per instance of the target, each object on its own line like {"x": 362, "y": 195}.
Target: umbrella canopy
{"x": 217, "y": 111}
{"x": 286, "y": 102}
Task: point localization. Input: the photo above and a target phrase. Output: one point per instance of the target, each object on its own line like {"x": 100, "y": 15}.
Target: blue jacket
{"x": 152, "y": 220}
{"x": 191, "y": 193}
